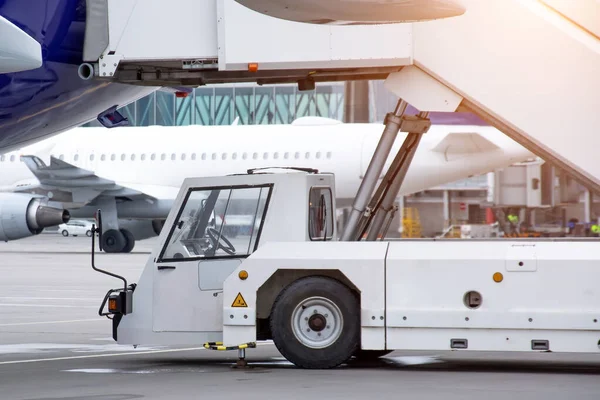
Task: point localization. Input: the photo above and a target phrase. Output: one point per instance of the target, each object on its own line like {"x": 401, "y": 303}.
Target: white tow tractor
{"x": 322, "y": 300}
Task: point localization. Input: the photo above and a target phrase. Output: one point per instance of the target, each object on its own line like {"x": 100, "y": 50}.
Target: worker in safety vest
{"x": 595, "y": 230}
{"x": 513, "y": 219}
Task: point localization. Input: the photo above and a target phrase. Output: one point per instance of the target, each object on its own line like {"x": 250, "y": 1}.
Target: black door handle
{"x": 166, "y": 267}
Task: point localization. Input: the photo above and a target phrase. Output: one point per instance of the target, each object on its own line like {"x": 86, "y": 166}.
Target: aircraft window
{"x": 221, "y": 222}
{"x": 133, "y": 157}
{"x": 320, "y": 214}
{"x": 123, "y": 157}
{"x": 265, "y": 156}
{"x": 163, "y": 156}
{"x": 61, "y": 157}
{"x": 203, "y": 156}
{"x": 318, "y": 154}
{"x": 234, "y": 156}
{"x": 244, "y": 156}
{"x": 102, "y": 157}
{"x": 193, "y": 156}
{"x": 12, "y": 158}
{"x": 2, "y": 158}
{"x": 214, "y": 156}
{"x": 153, "y": 156}
{"x": 143, "y": 157}
{"x": 75, "y": 158}
{"x": 224, "y": 156}
{"x": 112, "y": 157}
{"x": 286, "y": 155}
{"x": 182, "y": 156}
{"x": 91, "y": 157}
{"x": 255, "y": 156}
{"x": 276, "y": 155}
{"x": 297, "y": 155}
{"x": 307, "y": 155}
{"x": 328, "y": 154}
{"x": 173, "y": 156}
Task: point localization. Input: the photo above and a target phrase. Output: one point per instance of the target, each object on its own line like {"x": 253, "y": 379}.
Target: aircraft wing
{"x": 66, "y": 183}
{"x": 457, "y": 145}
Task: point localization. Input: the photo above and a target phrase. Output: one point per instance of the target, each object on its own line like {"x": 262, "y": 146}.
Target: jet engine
{"x": 24, "y": 215}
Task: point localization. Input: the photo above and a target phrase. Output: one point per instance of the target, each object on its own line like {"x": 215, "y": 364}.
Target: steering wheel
{"x": 213, "y": 234}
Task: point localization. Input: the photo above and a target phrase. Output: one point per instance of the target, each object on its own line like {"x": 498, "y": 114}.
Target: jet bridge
{"x": 528, "y": 67}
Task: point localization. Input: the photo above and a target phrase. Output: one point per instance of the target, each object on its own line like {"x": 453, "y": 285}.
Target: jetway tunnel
{"x": 527, "y": 67}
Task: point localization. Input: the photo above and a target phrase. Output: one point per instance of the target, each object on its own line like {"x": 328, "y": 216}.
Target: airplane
{"x": 41, "y": 94}
{"x": 134, "y": 173}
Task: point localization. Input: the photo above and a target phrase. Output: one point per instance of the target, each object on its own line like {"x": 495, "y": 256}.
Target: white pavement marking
{"x": 100, "y": 355}
{"x": 54, "y": 322}
{"x": 50, "y": 298}
{"x": 113, "y": 354}
{"x": 415, "y": 360}
{"x": 44, "y": 305}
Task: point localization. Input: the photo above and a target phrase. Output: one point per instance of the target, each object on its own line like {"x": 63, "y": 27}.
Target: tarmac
{"x": 53, "y": 345}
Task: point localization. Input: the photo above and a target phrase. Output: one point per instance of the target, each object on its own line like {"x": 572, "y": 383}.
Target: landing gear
{"x": 113, "y": 241}
{"x": 118, "y": 241}
{"x": 129, "y": 239}
{"x": 315, "y": 322}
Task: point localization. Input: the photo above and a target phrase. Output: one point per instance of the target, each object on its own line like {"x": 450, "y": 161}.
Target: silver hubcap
{"x": 317, "y": 322}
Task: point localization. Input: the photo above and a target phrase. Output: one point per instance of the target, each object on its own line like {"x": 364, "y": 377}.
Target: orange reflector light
{"x": 112, "y": 305}
{"x": 498, "y": 277}
{"x": 252, "y": 67}
{"x": 243, "y": 275}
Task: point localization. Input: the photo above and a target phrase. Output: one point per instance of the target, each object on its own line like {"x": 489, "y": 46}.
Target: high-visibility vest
{"x": 595, "y": 228}
{"x": 513, "y": 218}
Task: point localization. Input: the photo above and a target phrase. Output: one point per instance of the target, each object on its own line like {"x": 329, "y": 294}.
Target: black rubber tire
{"x": 370, "y": 355}
{"x": 88, "y": 233}
{"x": 291, "y": 348}
{"x": 113, "y": 241}
{"x": 65, "y": 233}
{"x": 129, "y": 239}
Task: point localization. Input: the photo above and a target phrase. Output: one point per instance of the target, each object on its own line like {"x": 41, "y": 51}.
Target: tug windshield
{"x": 218, "y": 223}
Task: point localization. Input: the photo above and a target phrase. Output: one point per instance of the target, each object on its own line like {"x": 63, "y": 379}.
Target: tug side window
{"x": 320, "y": 214}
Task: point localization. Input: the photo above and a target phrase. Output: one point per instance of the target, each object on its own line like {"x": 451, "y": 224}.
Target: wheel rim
{"x": 317, "y": 322}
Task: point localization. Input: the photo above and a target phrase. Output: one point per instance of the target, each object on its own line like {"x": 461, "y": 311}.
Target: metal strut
{"x": 392, "y": 126}
{"x": 390, "y": 186}
{"x": 371, "y": 217}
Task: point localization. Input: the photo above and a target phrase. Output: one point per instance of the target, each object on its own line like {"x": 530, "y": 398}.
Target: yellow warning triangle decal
{"x": 239, "y": 301}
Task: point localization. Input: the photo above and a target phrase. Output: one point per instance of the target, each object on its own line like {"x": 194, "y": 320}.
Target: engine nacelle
{"x": 345, "y": 12}
{"x": 24, "y": 215}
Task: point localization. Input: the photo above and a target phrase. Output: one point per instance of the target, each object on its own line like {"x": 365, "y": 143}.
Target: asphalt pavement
{"x": 53, "y": 345}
